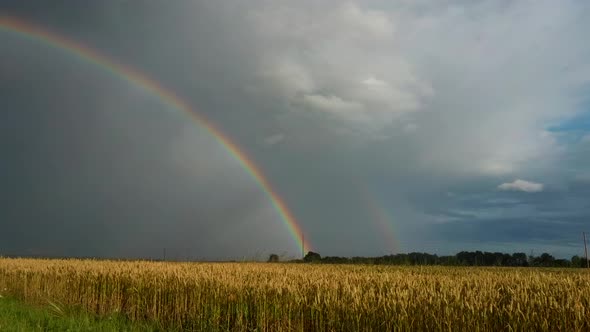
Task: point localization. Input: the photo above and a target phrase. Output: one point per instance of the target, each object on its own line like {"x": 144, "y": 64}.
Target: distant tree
{"x": 561, "y": 263}
{"x": 465, "y": 258}
{"x": 519, "y": 259}
{"x": 335, "y": 260}
{"x": 546, "y": 259}
{"x": 576, "y": 261}
{"x": 273, "y": 258}
{"x": 312, "y": 257}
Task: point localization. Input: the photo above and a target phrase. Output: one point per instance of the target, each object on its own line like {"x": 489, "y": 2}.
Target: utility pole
{"x": 586, "y": 251}
{"x": 164, "y": 254}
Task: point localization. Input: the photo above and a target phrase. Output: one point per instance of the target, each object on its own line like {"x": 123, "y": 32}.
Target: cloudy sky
{"x": 385, "y": 126}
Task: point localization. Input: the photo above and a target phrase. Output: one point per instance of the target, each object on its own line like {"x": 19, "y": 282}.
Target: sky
{"x": 385, "y": 127}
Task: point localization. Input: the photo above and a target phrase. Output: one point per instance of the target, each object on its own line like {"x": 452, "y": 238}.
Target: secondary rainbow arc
{"x": 380, "y": 218}
{"x": 132, "y": 76}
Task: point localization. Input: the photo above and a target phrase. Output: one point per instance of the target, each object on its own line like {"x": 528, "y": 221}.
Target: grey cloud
{"x": 414, "y": 98}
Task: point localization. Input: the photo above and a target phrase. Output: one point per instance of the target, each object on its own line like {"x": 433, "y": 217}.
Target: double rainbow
{"x": 132, "y": 76}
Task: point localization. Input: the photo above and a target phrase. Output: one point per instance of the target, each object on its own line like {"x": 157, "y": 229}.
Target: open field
{"x": 271, "y": 297}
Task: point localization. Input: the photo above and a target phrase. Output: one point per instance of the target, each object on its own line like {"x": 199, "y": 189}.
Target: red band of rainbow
{"x": 132, "y": 76}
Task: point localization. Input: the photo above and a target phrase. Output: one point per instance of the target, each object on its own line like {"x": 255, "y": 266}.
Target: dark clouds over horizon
{"x": 466, "y": 122}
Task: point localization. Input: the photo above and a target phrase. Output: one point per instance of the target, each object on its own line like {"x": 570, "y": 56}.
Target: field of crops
{"x": 303, "y": 297}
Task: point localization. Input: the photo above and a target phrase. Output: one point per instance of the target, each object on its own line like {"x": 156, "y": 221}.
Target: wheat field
{"x": 308, "y": 297}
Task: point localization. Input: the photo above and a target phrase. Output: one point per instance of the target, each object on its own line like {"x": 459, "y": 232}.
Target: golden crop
{"x": 302, "y": 297}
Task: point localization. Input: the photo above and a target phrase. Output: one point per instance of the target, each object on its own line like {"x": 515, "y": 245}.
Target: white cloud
{"x": 481, "y": 80}
{"x": 325, "y": 58}
{"x": 372, "y": 23}
{"x": 522, "y": 185}
{"x": 332, "y": 104}
{"x": 286, "y": 77}
{"x": 373, "y": 82}
{"x": 274, "y": 139}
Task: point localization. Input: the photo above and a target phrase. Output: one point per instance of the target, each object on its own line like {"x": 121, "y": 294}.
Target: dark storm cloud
{"x": 98, "y": 167}
{"x": 429, "y": 106}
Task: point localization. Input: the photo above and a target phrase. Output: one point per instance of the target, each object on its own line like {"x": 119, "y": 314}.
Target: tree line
{"x": 463, "y": 258}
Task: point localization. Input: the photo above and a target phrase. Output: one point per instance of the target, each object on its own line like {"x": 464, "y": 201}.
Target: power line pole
{"x": 586, "y": 251}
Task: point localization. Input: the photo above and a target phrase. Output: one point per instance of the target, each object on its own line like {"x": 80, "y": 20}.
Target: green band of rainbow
{"x": 132, "y": 76}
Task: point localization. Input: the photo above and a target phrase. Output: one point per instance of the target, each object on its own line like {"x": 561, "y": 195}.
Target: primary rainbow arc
{"x": 137, "y": 78}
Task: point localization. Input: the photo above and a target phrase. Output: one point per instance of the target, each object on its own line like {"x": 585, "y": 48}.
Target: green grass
{"x": 18, "y": 316}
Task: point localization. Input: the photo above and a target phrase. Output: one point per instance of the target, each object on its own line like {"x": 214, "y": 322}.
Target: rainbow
{"x": 380, "y": 218}
{"x": 132, "y": 76}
